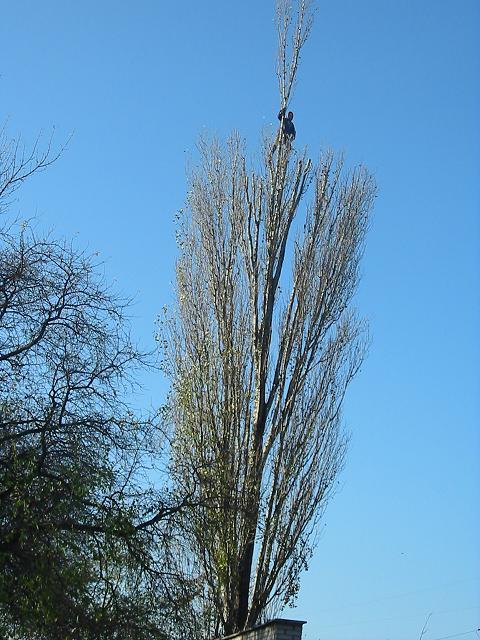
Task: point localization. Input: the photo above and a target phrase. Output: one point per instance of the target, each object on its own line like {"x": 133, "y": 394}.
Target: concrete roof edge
{"x": 287, "y": 621}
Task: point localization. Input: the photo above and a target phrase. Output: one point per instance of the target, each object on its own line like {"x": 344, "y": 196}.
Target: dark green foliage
{"x": 86, "y": 549}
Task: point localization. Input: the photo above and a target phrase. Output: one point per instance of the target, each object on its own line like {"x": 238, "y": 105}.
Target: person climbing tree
{"x": 287, "y": 129}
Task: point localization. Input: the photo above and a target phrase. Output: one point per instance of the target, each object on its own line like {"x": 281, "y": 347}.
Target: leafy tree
{"x": 86, "y": 546}
{"x": 260, "y": 349}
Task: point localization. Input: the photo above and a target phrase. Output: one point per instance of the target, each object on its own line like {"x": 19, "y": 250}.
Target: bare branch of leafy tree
{"x": 18, "y": 163}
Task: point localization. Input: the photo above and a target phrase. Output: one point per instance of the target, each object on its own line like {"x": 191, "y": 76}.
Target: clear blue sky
{"x": 394, "y": 84}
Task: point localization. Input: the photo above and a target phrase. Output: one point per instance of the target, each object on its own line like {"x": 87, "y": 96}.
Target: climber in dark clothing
{"x": 287, "y": 129}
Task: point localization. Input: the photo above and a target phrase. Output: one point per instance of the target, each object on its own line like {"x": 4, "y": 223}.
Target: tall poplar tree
{"x": 261, "y": 347}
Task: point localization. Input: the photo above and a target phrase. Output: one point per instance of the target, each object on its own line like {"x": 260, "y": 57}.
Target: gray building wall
{"x": 277, "y": 629}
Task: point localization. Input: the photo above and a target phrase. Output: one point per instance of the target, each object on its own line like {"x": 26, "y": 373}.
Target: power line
{"x": 404, "y": 594}
{"x": 399, "y": 616}
{"x": 457, "y": 635}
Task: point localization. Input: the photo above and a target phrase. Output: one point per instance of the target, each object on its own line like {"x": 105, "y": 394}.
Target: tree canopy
{"x": 261, "y": 346}
{"x": 85, "y": 537}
